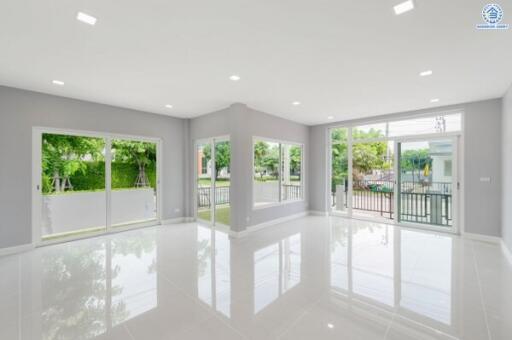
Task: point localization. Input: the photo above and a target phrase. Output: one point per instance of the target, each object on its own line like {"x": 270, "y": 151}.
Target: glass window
{"x": 291, "y": 179}
{"x": 425, "y": 125}
{"x": 370, "y": 131}
{"x": 266, "y": 172}
{"x": 339, "y": 168}
{"x": 277, "y": 172}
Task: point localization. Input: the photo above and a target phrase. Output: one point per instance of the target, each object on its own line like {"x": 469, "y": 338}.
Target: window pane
{"x": 73, "y": 183}
{"x": 425, "y": 125}
{"x": 339, "y": 169}
{"x": 369, "y": 131}
{"x": 133, "y": 181}
{"x": 291, "y": 179}
{"x": 266, "y": 173}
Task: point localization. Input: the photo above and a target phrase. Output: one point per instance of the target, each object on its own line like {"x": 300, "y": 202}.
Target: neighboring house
{"x": 204, "y": 167}
{"x": 441, "y": 153}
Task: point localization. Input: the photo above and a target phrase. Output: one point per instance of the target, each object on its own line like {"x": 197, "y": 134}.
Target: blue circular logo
{"x": 492, "y": 13}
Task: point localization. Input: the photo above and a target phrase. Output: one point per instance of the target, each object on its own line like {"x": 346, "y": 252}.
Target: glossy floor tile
{"x": 310, "y": 278}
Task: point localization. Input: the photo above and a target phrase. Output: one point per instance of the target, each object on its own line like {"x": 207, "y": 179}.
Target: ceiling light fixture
{"x": 434, "y": 100}
{"x": 86, "y": 18}
{"x": 169, "y": 106}
{"x": 58, "y": 82}
{"x": 403, "y": 7}
{"x": 330, "y": 325}
{"x": 296, "y": 103}
{"x": 235, "y": 77}
{"x": 330, "y": 117}
{"x": 426, "y": 73}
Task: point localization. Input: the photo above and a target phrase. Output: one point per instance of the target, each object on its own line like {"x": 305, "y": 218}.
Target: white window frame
{"x": 457, "y": 170}
{"x": 37, "y": 133}
{"x": 302, "y": 168}
{"x": 213, "y": 170}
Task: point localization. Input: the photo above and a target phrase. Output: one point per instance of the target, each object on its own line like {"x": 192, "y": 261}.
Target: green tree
{"x": 222, "y": 156}
{"x": 414, "y": 161}
{"x": 295, "y": 159}
{"x": 142, "y": 154}
{"x": 64, "y": 155}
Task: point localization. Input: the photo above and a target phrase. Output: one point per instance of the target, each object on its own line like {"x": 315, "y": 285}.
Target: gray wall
{"x": 241, "y": 124}
{"x": 21, "y": 110}
{"x": 507, "y": 169}
{"x": 482, "y": 158}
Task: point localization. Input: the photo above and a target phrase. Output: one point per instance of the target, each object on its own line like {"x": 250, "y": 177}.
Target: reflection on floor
{"x": 311, "y": 278}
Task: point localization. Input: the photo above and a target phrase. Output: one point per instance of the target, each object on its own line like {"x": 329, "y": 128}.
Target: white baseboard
{"x": 15, "y": 250}
{"x": 318, "y": 213}
{"x": 483, "y": 238}
{"x": 254, "y": 228}
{"x": 507, "y": 252}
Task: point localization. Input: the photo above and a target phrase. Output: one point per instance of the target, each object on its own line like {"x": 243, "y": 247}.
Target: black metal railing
{"x": 204, "y": 196}
{"x": 430, "y": 208}
{"x": 421, "y": 202}
{"x": 289, "y": 192}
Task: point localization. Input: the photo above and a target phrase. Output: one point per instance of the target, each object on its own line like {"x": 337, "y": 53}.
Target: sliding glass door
{"x": 403, "y": 171}
{"x": 427, "y": 182}
{"x": 213, "y": 159}
{"x": 73, "y": 185}
{"x": 88, "y": 183}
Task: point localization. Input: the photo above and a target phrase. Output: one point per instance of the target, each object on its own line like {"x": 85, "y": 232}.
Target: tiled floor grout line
{"x": 480, "y": 290}
{"x": 304, "y": 312}
{"x": 389, "y": 326}
{"x": 132, "y": 337}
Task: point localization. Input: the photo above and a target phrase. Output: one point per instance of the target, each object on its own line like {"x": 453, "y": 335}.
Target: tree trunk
{"x": 56, "y": 181}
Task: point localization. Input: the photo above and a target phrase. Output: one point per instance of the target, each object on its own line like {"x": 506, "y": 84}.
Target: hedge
{"x": 124, "y": 176}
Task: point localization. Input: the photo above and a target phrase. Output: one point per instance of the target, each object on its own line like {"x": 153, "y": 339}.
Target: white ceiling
{"x": 347, "y": 59}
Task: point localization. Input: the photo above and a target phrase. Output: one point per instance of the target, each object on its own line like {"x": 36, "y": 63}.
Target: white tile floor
{"x": 311, "y": 278}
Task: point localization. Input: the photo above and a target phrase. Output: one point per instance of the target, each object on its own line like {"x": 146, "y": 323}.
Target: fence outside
{"x": 289, "y": 192}
{"x": 421, "y": 202}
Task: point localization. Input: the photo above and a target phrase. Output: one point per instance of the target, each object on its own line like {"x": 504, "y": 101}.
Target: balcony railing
{"x": 420, "y": 202}
{"x": 289, "y": 192}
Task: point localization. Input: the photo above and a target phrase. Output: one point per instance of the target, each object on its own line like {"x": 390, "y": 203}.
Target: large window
{"x": 402, "y": 170}
{"x": 278, "y": 172}
{"x": 90, "y": 183}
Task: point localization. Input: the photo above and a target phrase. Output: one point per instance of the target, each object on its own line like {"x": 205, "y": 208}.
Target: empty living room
{"x": 233, "y": 169}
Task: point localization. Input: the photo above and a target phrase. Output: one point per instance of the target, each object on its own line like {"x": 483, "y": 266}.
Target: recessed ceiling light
{"x": 434, "y": 100}
{"x": 86, "y": 18}
{"x": 330, "y": 325}
{"x": 403, "y": 7}
{"x": 330, "y": 117}
{"x": 169, "y": 106}
{"x": 296, "y": 103}
{"x": 235, "y": 77}
{"x": 58, "y": 82}
{"x": 426, "y": 73}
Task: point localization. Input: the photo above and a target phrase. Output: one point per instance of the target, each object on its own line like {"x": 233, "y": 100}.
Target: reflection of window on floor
{"x": 373, "y": 264}
{"x": 277, "y": 269}
{"x": 427, "y": 288}
{"x": 214, "y": 274}
{"x": 135, "y": 279}
{"x": 339, "y": 259}
{"x": 115, "y": 281}
{"x": 363, "y": 264}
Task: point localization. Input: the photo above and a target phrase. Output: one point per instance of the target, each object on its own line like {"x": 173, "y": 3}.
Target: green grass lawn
{"x": 223, "y": 214}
